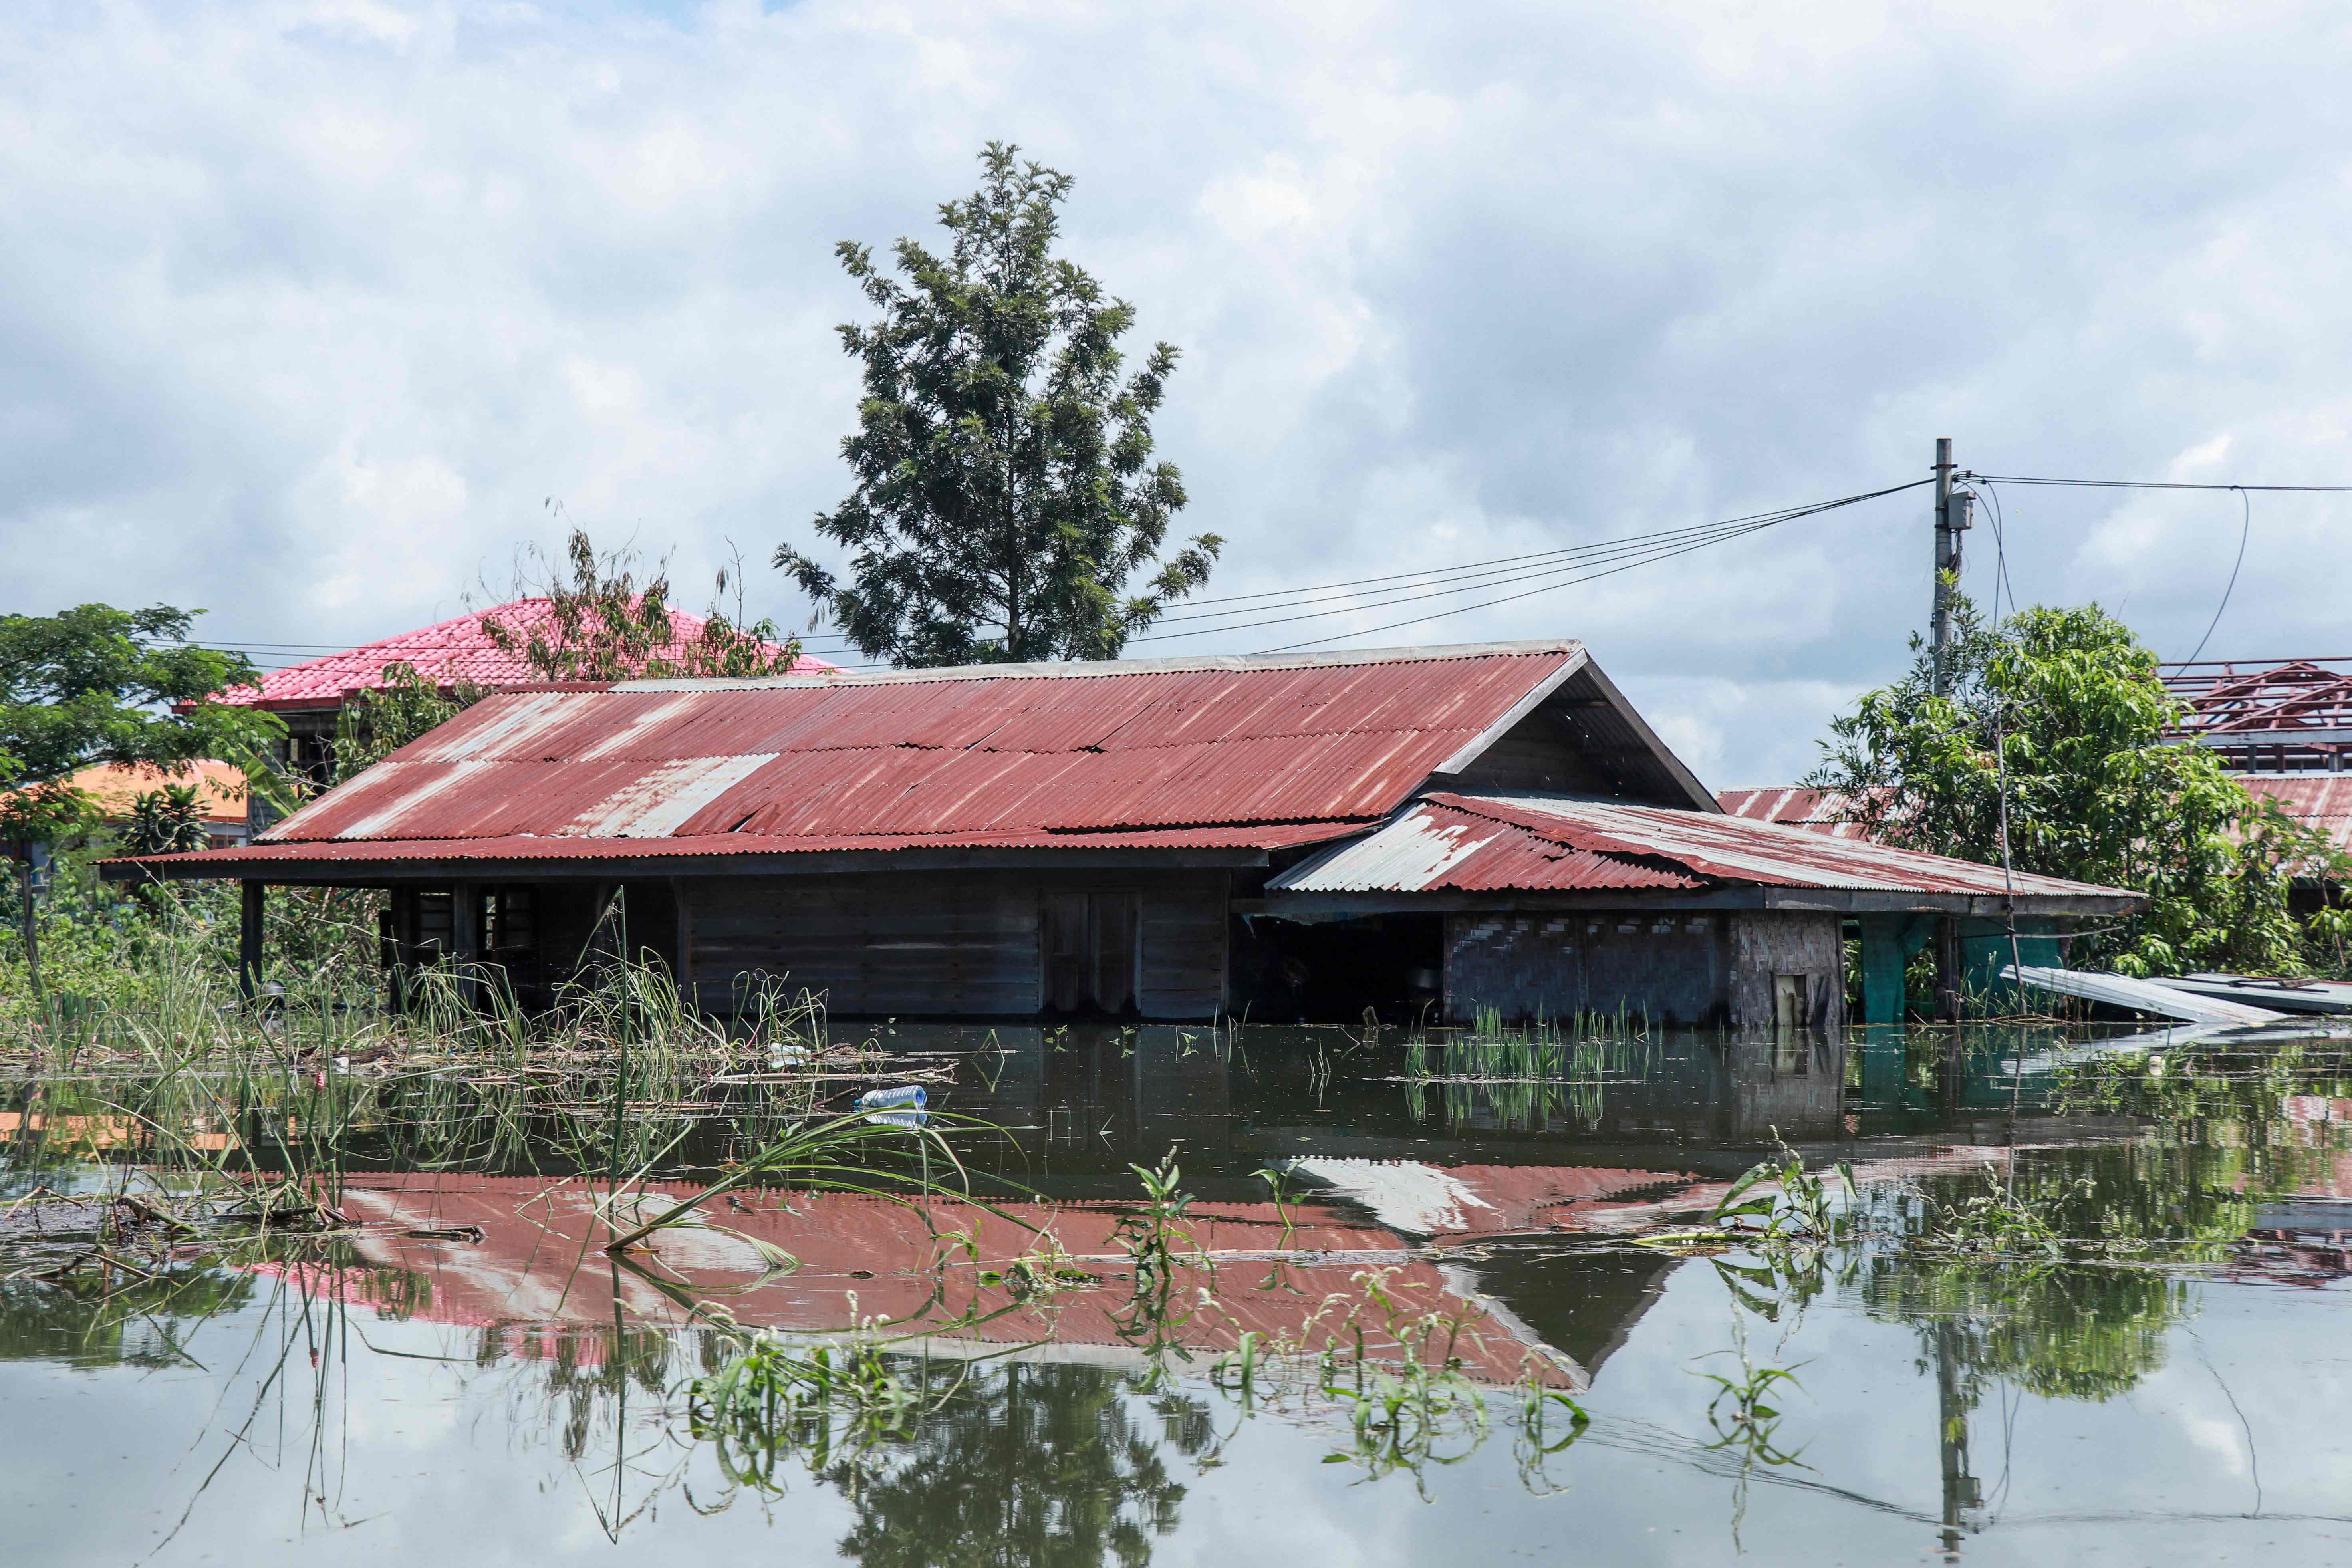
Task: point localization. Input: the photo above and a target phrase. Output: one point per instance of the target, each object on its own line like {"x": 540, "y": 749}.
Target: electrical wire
{"x": 1360, "y": 605}
{"x": 1500, "y": 565}
{"x": 1774, "y": 521}
{"x": 2155, "y": 485}
{"x": 1568, "y": 565}
{"x": 2245, "y": 521}
{"x": 1465, "y": 577}
{"x": 2245, "y": 527}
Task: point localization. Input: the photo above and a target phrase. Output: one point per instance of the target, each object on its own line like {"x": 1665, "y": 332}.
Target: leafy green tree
{"x": 601, "y": 624}
{"x": 1005, "y": 487}
{"x": 1036, "y": 1464}
{"x": 2066, "y": 704}
{"x": 96, "y": 684}
{"x": 375, "y": 724}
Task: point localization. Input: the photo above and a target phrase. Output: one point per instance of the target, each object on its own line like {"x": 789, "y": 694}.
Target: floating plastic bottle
{"x": 904, "y": 1097}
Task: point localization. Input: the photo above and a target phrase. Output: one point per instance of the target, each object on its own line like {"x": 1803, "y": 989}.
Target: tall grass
{"x": 1527, "y": 1074}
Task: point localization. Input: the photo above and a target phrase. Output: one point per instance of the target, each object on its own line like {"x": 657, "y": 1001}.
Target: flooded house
{"x": 1421, "y": 832}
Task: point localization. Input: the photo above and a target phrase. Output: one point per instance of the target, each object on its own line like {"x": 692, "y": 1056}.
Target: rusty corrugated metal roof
{"x": 1560, "y": 844}
{"x": 526, "y": 847}
{"x": 1437, "y": 847}
{"x": 1037, "y": 749}
{"x": 2317, "y": 800}
{"x": 1822, "y": 811}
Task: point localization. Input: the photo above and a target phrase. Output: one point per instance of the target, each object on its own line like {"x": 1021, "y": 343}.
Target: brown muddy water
{"x": 1396, "y": 1303}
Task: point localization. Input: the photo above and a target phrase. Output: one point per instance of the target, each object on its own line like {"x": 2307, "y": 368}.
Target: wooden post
{"x": 1948, "y": 968}
{"x": 248, "y": 938}
{"x": 465, "y": 938}
{"x": 686, "y": 984}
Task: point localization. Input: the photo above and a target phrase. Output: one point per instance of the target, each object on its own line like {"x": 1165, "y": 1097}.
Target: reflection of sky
{"x": 436, "y": 1460}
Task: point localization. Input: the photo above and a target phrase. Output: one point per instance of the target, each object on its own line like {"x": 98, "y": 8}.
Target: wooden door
{"x": 1110, "y": 931}
{"x": 1086, "y": 948}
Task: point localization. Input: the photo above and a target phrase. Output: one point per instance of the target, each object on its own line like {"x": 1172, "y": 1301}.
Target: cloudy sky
{"x": 307, "y": 309}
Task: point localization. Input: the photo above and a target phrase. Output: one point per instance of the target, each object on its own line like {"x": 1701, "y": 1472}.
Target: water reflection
{"x": 2031, "y": 1248}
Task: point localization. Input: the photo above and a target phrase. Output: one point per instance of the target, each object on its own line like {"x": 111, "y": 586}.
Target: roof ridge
{"x": 1068, "y": 669}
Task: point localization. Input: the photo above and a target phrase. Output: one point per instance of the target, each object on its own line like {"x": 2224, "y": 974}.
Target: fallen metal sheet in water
{"x": 2081, "y": 1051}
{"x": 2278, "y": 995}
{"x": 2139, "y": 996}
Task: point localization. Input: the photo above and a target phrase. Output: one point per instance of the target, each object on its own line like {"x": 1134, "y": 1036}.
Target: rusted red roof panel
{"x": 2317, "y": 800}
{"x": 1024, "y": 750}
{"x": 1550, "y": 843}
{"x": 1435, "y": 847}
{"x": 529, "y": 848}
{"x": 1822, "y": 811}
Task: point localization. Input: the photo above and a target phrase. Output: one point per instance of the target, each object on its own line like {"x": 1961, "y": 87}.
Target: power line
{"x": 1707, "y": 536}
{"x": 1627, "y": 551}
{"x": 1481, "y": 567}
{"x": 1773, "y": 521}
{"x": 2155, "y": 485}
{"x": 2245, "y": 528}
{"x": 1465, "y": 577}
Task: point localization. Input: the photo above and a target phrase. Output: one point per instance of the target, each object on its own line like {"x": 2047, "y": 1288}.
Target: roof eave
{"x": 1815, "y": 900}
{"x": 229, "y": 865}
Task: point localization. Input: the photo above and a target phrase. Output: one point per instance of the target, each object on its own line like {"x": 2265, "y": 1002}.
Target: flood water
{"x": 2082, "y": 1304}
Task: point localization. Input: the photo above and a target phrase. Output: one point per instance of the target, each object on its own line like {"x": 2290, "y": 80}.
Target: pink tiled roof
{"x": 448, "y": 651}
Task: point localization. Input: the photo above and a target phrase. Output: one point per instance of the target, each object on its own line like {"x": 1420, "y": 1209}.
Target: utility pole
{"x": 1951, "y": 522}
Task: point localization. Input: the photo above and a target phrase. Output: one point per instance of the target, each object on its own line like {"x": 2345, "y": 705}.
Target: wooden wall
{"x": 1666, "y": 967}
{"x": 962, "y": 943}
{"x": 1676, "y": 969}
{"x": 1766, "y": 943}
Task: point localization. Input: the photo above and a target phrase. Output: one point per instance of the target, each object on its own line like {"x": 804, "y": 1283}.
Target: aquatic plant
{"x": 1154, "y": 1232}
{"x": 773, "y": 1401}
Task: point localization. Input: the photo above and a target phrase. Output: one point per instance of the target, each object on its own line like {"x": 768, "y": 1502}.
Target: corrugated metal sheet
{"x": 1822, "y": 811}
{"x": 447, "y": 652}
{"x": 1547, "y": 842}
{"x": 1436, "y": 848}
{"x": 526, "y": 847}
{"x": 2316, "y": 799}
{"x": 2323, "y": 801}
{"x": 1063, "y": 748}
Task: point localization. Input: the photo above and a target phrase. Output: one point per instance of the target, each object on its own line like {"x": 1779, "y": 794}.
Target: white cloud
{"x": 305, "y": 309}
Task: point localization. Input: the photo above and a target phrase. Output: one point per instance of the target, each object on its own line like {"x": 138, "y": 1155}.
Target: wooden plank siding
{"x": 965, "y": 943}
{"x": 1183, "y": 969}
{"x": 1664, "y": 966}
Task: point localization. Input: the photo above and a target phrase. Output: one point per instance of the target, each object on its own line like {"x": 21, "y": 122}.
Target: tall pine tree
{"x": 1006, "y": 487}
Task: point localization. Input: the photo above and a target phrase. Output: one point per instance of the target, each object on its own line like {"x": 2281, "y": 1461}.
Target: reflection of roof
{"x": 446, "y": 652}
{"x": 219, "y": 787}
{"x": 1056, "y": 748}
{"x": 537, "y": 1263}
{"x": 1555, "y": 842}
{"x": 1418, "y": 1199}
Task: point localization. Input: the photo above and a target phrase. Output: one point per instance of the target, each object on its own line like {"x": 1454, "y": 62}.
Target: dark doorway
{"x": 1090, "y": 952}
{"x": 1290, "y": 972}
